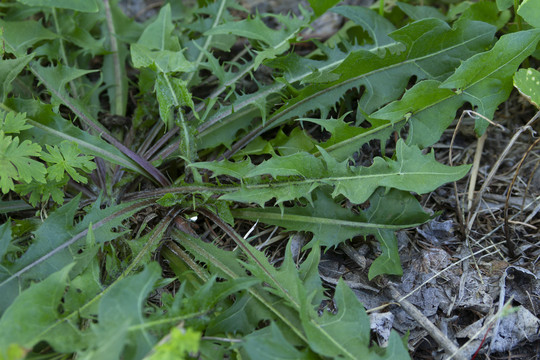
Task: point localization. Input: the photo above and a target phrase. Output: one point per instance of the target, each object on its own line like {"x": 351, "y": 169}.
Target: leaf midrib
{"x": 247, "y": 214}
{"x": 336, "y": 179}
{"x": 373, "y": 72}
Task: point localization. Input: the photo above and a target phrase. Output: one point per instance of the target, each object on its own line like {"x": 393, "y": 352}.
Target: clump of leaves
{"x": 18, "y": 161}
{"x": 153, "y": 123}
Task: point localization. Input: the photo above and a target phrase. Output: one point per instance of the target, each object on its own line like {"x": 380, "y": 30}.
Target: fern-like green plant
{"x": 19, "y": 163}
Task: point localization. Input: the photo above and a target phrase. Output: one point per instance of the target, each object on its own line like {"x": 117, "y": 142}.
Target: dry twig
{"x": 449, "y": 347}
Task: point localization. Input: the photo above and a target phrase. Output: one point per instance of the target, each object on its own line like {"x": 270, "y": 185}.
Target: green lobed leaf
{"x": 242, "y": 317}
{"x": 67, "y": 158}
{"x": 208, "y": 16}
{"x": 388, "y": 262}
{"x": 51, "y": 128}
{"x": 420, "y": 12}
{"x": 297, "y": 165}
{"x": 227, "y": 121}
{"x": 287, "y": 282}
{"x": 296, "y": 141}
{"x": 325, "y": 336}
{"x": 418, "y": 98}
{"x": 269, "y": 343}
{"x": 171, "y": 92}
{"x": 487, "y": 12}
{"x": 251, "y": 28}
{"x": 212, "y": 64}
{"x": 427, "y": 49}
{"x": 410, "y": 171}
{"x": 221, "y": 262}
{"x": 247, "y": 313}
{"x": 17, "y": 164}
{"x": 9, "y": 70}
{"x": 205, "y": 298}
{"x": 346, "y": 139}
{"x": 283, "y": 144}
{"x": 530, "y": 11}
{"x": 64, "y": 335}
{"x": 428, "y": 109}
{"x": 162, "y": 60}
{"x": 54, "y": 78}
{"x": 238, "y": 170}
{"x": 321, "y": 6}
{"x": 19, "y": 36}
{"x": 57, "y": 242}
{"x": 36, "y": 308}
{"x": 207, "y": 303}
{"x": 85, "y": 286}
{"x": 431, "y": 50}
{"x": 345, "y": 334}
{"x": 485, "y": 80}
{"x": 13, "y": 123}
{"x": 230, "y": 119}
{"x": 278, "y": 41}
{"x": 527, "y": 81}
{"x": 158, "y": 34}
{"x": 332, "y": 224}
{"x": 79, "y": 29}
{"x": 42, "y": 192}
{"x": 375, "y": 25}
{"x": 120, "y": 308}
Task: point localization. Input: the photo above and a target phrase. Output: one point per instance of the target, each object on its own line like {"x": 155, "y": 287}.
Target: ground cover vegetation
{"x": 137, "y": 159}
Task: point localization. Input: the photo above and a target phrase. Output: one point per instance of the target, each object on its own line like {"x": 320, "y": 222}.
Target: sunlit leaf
{"x": 67, "y": 158}
{"x": 527, "y": 81}
{"x": 530, "y": 11}
{"x": 410, "y": 171}
{"x": 17, "y": 163}
{"x": 13, "y": 123}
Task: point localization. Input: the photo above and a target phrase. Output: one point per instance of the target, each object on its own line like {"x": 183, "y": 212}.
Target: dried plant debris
{"x": 439, "y": 232}
{"x": 506, "y": 330}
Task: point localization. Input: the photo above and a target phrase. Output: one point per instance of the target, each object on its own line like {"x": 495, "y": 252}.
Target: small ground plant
{"x": 120, "y": 140}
